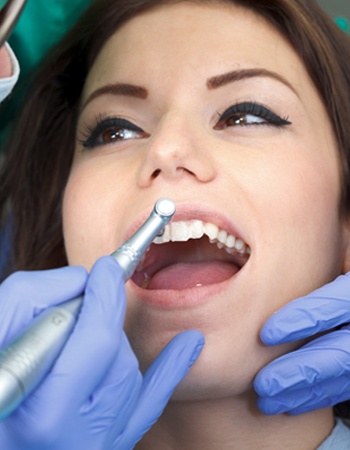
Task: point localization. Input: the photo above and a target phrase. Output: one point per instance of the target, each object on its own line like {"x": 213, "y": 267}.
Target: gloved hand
{"x": 316, "y": 375}
{"x": 95, "y": 396}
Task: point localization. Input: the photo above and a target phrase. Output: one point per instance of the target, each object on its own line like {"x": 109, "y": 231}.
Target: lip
{"x": 190, "y": 297}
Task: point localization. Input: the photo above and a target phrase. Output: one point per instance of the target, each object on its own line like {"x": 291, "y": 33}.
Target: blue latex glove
{"x": 95, "y": 396}
{"x": 316, "y": 375}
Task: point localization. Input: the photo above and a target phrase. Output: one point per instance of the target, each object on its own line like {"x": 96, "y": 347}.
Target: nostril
{"x": 188, "y": 171}
{"x": 155, "y": 173}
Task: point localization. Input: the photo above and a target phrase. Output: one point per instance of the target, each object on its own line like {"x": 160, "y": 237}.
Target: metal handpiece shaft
{"x": 9, "y": 16}
{"x": 26, "y": 361}
{"x": 130, "y": 253}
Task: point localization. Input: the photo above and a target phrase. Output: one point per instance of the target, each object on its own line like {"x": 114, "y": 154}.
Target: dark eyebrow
{"x": 215, "y": 82}
{"x": 237, "y": 75}
{"x": 118, "y": 89}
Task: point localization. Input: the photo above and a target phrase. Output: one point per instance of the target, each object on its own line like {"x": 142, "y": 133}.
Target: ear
{"x": 346, "y": 246}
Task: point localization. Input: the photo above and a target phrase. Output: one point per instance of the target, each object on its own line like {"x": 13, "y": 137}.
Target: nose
{"x": 176, "y": 150}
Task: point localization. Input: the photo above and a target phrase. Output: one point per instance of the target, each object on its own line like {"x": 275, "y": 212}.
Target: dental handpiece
{"x": 25, "y": 362}
{"x": 9, "y": 15}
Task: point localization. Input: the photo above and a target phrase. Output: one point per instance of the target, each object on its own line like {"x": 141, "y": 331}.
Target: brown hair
{"x": 41, "y": 148}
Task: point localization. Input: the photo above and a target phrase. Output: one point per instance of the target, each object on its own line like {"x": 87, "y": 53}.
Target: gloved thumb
{"x": 160, "y": 380}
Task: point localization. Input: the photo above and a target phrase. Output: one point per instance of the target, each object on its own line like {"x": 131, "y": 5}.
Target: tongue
{"x": 187, "y": 275}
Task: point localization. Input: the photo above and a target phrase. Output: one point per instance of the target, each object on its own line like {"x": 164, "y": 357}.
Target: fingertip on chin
{"x": 269, "y": 408}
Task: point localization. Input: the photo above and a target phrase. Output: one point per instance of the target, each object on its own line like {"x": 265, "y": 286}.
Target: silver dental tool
{"x": 9, "y": 16}
{"x": 26, "y": 361}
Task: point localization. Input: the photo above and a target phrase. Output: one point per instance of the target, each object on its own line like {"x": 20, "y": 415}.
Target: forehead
{"x": 184, "y": 42}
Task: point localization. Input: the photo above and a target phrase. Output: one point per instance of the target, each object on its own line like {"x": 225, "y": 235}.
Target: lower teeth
{"x": 145, "y": 281}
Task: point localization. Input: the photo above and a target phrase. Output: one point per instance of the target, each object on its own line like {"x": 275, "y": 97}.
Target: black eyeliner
{"x": 255, "y": 109}
{"x": 91, "y": 134}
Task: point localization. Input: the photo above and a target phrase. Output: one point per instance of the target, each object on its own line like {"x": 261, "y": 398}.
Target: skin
{"x": 277, "y": 187}
{"x": 5, "y": 63}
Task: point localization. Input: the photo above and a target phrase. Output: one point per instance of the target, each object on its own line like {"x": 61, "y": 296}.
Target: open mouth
{"x": 191, "y": 254}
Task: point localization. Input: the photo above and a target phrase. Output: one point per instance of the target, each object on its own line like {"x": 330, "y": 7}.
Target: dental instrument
{"x": 25, "y": 362}
{"x": 9, "y": 15}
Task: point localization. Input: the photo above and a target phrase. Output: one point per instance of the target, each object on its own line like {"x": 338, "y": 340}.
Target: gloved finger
{"x": 324, "y": 358}
{"x": 321, "y": 310}
{"x": 321, "y": 403}
{"x": 297, "y": 401}
{"x": 94, "y": 343}
{"x": 112, "y": 403}
{"x": 160, "y": 380}
{"x": 23, "y": 295}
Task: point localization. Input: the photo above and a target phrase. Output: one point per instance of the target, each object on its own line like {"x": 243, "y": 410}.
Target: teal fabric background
{"x": 41, "y": 25}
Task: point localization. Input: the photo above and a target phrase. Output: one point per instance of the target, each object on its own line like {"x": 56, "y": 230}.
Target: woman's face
{"x": 210, "y": 106}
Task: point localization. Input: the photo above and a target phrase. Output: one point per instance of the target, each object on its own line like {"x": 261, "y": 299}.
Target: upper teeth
{"x": 181, "y": 231}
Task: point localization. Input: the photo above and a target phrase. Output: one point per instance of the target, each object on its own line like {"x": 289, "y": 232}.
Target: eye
{"x": 110, "y": 130}
{"x": 247, "y": 114}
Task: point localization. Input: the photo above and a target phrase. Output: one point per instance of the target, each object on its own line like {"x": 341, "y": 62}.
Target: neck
{"x": 235, "y": 424}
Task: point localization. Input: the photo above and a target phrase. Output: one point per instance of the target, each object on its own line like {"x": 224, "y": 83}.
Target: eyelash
{"x": 240, "y": 111}
{"x": 93, "y": 136}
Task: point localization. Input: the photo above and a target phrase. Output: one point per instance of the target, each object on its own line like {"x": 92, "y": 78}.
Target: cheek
{"x": 89, "y": 224}
{"x": 299, "y": 238}
{"x": 294, "y": 187}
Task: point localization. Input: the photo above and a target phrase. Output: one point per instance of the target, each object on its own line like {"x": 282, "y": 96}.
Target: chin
{"x": 229, "y": 361}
